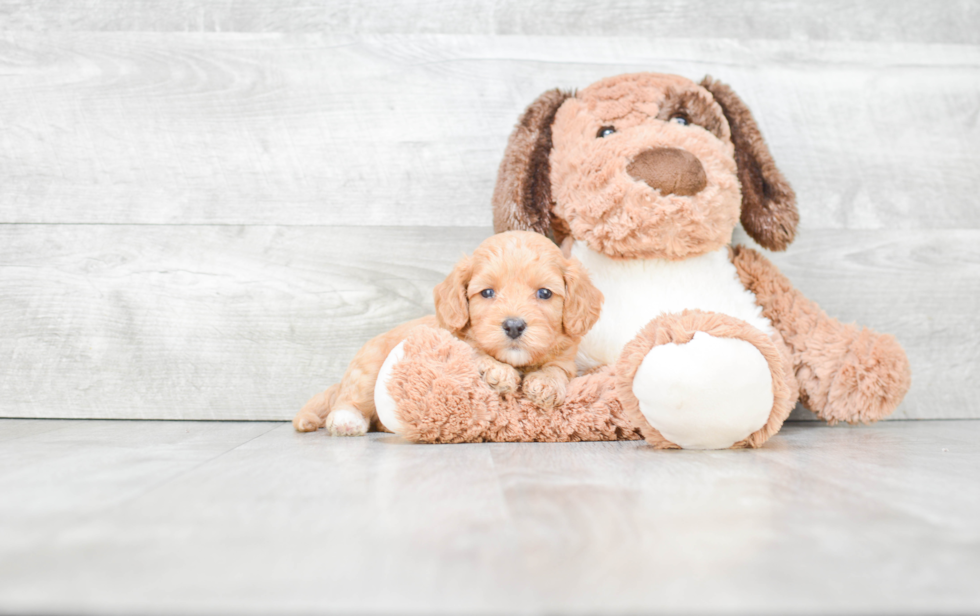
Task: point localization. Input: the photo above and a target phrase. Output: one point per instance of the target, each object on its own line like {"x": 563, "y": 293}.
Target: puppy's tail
{"x": 314, "y": 413}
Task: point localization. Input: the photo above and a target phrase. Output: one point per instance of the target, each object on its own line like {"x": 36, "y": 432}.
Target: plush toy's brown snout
{"x": 643, "y": 166}
{"x": 672, "y": 171}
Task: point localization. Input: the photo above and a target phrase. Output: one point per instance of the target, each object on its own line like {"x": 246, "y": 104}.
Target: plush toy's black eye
{"x": 680, "y": 119}
{"x": 487, "y": 293}
{"x": 544, "y": 294}
{"x": 605, "y": 131}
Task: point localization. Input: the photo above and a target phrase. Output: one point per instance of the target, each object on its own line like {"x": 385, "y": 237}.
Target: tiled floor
{"x": 195, "y": 517}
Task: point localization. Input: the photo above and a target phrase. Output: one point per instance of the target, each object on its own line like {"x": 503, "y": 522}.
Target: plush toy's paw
{"x": 709, "y": 393}
{"x": 346, "y": 422}
{"x": 544, "y": 390}
{"x": 384, "y": 403}
{"x": 703, "y": 381}
{"x": 429, "y": 390}
{"x": 872, "y": 379}
{"x": 502, "y": 378}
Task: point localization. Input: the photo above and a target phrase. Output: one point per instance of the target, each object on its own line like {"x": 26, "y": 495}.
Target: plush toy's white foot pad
{"x": 346, "y": 422}
{"x": 383, "y": 401}
{"x": 707, "y": 394}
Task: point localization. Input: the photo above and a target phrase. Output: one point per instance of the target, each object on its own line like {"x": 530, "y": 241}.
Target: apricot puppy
{"x": 517, "y": 301}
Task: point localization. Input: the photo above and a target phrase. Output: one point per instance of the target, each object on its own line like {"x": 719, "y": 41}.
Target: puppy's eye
{"x": 487, "y": 293}
{"x": 605, "y": 131}
{"x": 680, "y": 119}
{"x": 544, "y": 294}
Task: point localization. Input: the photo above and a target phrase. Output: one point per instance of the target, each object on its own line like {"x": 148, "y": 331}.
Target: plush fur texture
{"x": 640, "y": 169}
{"x": 522, "y": 195}
{"x": 846, "y": 373}
{"x": 769, "y": 213}
{"x": 513, "y": 267}
{"x": 680, "y": 329}
{"x": 442, "y": 399}
{"x": 590, "y": 176}
{"x": 627, "y": 218}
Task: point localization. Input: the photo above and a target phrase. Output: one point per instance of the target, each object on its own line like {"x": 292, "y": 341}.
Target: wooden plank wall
{"x": 207, "y": 206}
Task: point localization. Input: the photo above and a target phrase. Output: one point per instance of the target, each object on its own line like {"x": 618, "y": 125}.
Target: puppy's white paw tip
{"x": 346, "y": 422}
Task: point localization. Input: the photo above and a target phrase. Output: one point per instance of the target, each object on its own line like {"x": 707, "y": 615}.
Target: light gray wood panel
{"x": 409, "y": 129}
{"x": 218, "y": 518}
{"x": 881, "y": 20}
{"x": 191, "y": 322}
{"x": 186, "y": 322}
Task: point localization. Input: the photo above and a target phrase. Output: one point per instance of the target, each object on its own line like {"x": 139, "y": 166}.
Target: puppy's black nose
{"x": 514, "y": 327}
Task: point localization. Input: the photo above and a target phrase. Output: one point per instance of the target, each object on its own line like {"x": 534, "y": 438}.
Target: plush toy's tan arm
{"x": 441, "y": 398}
{"x": 845, "y": 373}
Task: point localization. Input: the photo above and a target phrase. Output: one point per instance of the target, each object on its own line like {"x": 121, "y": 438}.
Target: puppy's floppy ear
{"x": 768, "y": 202}
{"x": 452, "y": 304}
{"x": 583, "y": 301}
{"x": 522, "y": 196}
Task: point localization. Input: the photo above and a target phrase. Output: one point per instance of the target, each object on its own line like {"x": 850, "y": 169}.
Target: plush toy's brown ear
{"x": 452, "y": 304}
{"x": 768, "y": 202}
{"x": 522, "y": 196}
{"x": 583, "y": 301}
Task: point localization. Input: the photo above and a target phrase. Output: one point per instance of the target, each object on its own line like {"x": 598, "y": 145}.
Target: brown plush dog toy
{"x": 700, "y": 345}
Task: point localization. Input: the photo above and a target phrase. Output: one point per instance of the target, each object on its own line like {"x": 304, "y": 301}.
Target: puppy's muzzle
{"x": 672, "y": 171}
{"x": 514, "y": 327}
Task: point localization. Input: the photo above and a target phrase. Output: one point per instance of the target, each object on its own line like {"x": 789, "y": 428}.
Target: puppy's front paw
{"x": 546, "y": 391}
{"x": 346, "y": 422}
{"x": 502, "y": 378}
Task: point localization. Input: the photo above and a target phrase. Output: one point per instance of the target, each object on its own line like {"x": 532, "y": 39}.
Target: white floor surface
{"x": 142, "y": 517}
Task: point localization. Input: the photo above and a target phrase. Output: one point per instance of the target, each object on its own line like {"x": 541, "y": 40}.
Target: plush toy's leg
{"x": 845, "y": 373}
{"x": 859, "y": 379}
{"x": 703, "y": 380}
{"x": 430, "y": 391}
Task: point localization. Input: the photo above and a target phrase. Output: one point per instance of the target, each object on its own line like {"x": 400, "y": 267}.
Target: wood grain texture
{"x": 953, "y": 21}
{"x": 192, "y": 189}
{"x": 172, "y": 128}
{"x": 197, "y": 322}
{"x": 252, "y": 518}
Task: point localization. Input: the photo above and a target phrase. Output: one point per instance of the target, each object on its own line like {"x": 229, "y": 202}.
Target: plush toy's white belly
{"x": 639, "y": 290}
